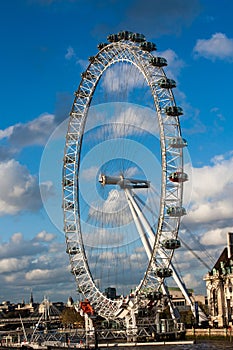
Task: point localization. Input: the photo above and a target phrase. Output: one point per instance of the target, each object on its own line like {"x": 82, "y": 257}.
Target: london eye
{"x": 123, "y": 177}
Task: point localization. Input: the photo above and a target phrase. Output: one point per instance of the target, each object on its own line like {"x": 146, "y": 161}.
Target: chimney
{"x": 229, "y": 244}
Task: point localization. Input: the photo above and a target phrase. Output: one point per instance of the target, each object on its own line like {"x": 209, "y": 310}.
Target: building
{"x": 219, "y": 285}
{"x": 110, "y": 293}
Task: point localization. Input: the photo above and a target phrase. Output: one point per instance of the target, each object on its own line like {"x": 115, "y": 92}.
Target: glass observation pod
{"x": 125, "y": 35}
{"x": 171, "y": 243}
{"x": 176, "y": 211}
{"x": 101, "y": 46}
{"x": 178, "y": 176}
{"x": 178, "y": 142}
{"x": 73, "y": 250}
{"x": 137, "y": 37}
{"x": 173, "y": 111}
{"x": 158, "y": 61}
{"x": 113, "y": 38}
{"x": 148, "y": 46}
{"x": 166, "y": 83}
{"x": 163, "y": 272}
{"x": 155, "y": 296}
{"x": 91, "y": 59}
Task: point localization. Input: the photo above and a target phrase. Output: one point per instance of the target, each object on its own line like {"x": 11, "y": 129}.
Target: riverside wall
{"x": 210, "y": 332}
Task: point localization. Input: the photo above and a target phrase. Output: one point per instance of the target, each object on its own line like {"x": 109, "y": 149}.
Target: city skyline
{"x": 45, "y": 48}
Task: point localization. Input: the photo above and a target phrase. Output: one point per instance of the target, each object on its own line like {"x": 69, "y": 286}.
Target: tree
{"x": 71, "y": 318}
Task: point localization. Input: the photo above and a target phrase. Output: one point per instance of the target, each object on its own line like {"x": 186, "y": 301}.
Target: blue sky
{"x": 45, "y": 45}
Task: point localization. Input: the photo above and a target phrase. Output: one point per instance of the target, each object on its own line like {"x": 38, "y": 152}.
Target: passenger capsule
{"x": 173, "y": 111}
{"x": 91, "y": 59}
{"x": 176, "y": 211}
{"x": 73, "y": 250}
{"x": 171, "y": 243}
{"x": 158, "y": 61}
{"x": 125, "y": 35}
{"x": 155, "y": 296}
{"x": 102, "y": 45}
{"x": 138, "y": 38}
{"x": 113, "y": 38}
{"x": 178, "y": 176}
{"x": 148, "y": 46}
{"x": 178, "y": 142}
{"x": 166, "y": 83}
{"x": 163, "y": 272}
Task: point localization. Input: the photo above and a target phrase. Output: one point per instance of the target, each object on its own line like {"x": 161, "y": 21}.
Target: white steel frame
{"x": 171, "y": 160}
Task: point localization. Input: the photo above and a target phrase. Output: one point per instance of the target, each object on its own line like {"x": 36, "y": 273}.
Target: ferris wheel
{"x": 123, "y": 176}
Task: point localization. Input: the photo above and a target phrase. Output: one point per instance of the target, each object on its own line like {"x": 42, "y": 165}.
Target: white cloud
{"x": 13, "y": 264}
{"x": 25, "y": 263}
{"x": 216, "y": 236}
{"x": 192, "y": 281}
{"x": 175, "y": 64}
{"x": 39, "y": 274}
{"x": 19, "y": 189}
{"x": 219, "y": 46}
{"x": 35, "y": 132}
{"x": 212, "y": 193}
{"x": 90, "y": 173}
{"x": 45, "y": 236}
{"x": 70, "y": 53}
{"x": 6, "y": 132}
{"x": 120, "y": 76}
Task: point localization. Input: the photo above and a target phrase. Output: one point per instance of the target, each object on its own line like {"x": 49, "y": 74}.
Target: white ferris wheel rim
{"x": 171, "y": 193}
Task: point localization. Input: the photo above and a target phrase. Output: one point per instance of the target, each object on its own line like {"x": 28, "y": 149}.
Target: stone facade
{"x": 219, "y": 286}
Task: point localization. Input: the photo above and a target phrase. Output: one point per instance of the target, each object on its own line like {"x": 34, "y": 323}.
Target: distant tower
{"x": 31, "y": 301}
{"x": 70, "y": 302}
{"x": 230, "y": 244}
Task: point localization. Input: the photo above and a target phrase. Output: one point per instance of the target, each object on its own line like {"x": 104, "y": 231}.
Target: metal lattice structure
{"x": 160, "y": 241}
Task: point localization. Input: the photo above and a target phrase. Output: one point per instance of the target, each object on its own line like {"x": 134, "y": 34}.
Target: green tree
{"x": 71, "y": 318}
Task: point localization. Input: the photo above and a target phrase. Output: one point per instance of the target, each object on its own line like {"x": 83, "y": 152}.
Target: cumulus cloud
{"x": 19, "y": 189}
{"x": 204, "y": 230}
{"x": 13, "y": 264}
{"x": 35, "y": 132}
{"x": 216, "y": 236}
{"x": 29, "y": 262}
{"x": 45, "y": 236}
{"x": 212, "y": 193}
{"x": 219, "y": 46}
{"x": 121, "y": 76}
{"x": 18, "y": 246}
{"x": 175, "y": 64}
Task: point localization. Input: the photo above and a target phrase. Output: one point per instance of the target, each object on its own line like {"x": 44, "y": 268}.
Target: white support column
{"x": 138, "y": 224}
{"x": 141, "y": 221}
{"x": 142, "y": 218}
